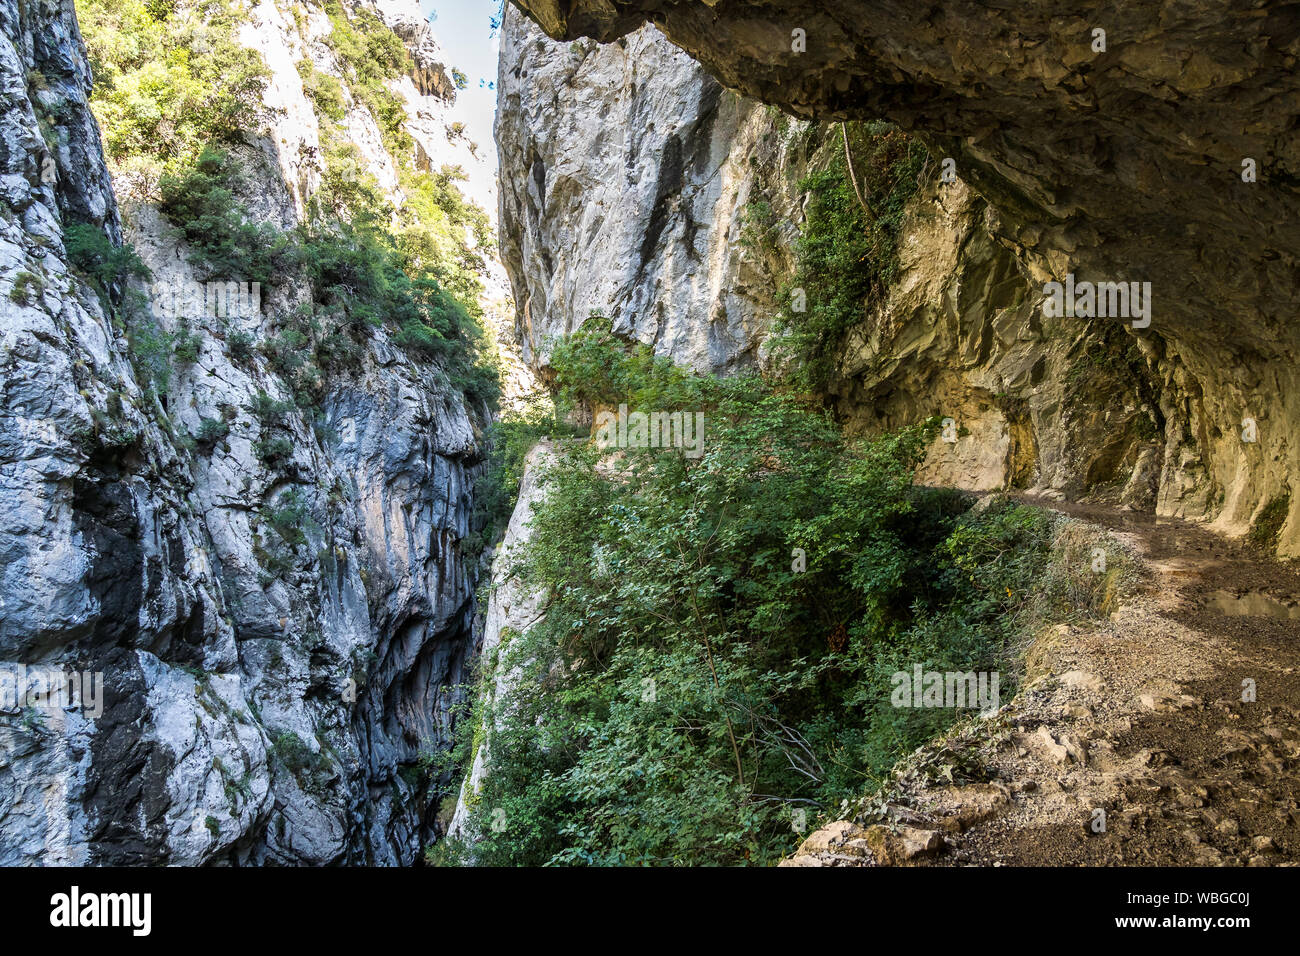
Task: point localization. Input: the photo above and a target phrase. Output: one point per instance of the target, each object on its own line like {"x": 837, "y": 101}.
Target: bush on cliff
{"x": 721, "y": 631}
{"x": 845, "y": 255}
{"x": 170, "y": 79}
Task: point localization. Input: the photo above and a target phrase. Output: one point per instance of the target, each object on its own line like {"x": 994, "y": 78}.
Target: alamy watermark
{"x": 177, "y": 299}
{"x": 75, "y": 909}
{"x": 1099, "y": 300}
{"x": 954, "y": 689}
{"x": 51, "y": 689}
{"x": 684, "y": 430}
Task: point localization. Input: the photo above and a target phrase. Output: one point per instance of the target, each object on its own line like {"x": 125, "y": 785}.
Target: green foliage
{"x": 175, "y": 87}
{"x": 758, "y": 228}
{"x": 432, "y": 226}
{"x": 110, "y": 270}
{"x": 106, "y": 267}
{"x": 844, "y": 256}
{"x": 348, "y": 191}
{"x": 274, "y": 452}
{"x": 211, "y": 431}
{"x": 310, "y": 769}
{"x": 324, "y": 91}
{"x": 170, "y": 79}
{"x": 595, "y": 367}
{"x": 239, "y": 345}
{"x": 290, "y": 518}
{"x": 25, "y": 283}
{"x": 186, "y": 344}
{"x": 509, "y": 439}
{"x": 372, "y": 53}
{"x": 359, "y": 276}
{"x": 359, "y": 280}
{"x": 269, "y": 411}
{"x": 151, "y": 352}
{"x": 1268, "y": 526}
{"x": 201, "y": 203}
{"x": 690, "y": 683}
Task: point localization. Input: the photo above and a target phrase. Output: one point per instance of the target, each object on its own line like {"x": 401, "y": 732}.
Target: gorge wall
{"x": 633, "y": 178}
{"x": 265, "y": 700}
{"x": 624, "y": 179}
{"x": 1123, "y": 158}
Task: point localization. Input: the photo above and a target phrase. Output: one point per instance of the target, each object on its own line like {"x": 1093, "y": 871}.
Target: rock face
{"x": 430, "y": 77}
{"x": 1049, "y": 404}
{"x": 958, "y": 334}
{"x": 1123, "y": 157}
{"x": 253, "y": 711}
{"x": 624, "y": 179}
{"x": 512, "y": 610}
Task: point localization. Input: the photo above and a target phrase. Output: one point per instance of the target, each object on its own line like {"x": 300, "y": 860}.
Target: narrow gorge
{"x": 306, "y": 454}
{"x": 259, "y": 529}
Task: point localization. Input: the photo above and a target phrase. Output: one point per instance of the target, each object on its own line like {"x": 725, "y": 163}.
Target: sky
{"x": 464, "y": 29}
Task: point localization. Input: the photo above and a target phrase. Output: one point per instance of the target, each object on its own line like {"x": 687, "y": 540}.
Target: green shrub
{"x": 348, "y": 191}
{"x": 720, "y": 633}
{"x": 211, "y": 431}
{"x": 509, "y": 439}
{"x": 25, "y": 283}
{"x": 843, "y": 256}
{"x": 186, "y": 344}
{"x": 169, "y": 80}
{"x": 151, "y": 352}
{"x": 360, "y": 281}
{"x": 433, "y": 223}
{"x": 372, "y": 53}
{"x": 310, "y": 769}
{"x": 269, "y": 411}
{"x": 1268, "y": 526}
{"x": 290, "y": 518}
{"x": 106, "y": 267}
{"x": 594, "y": 367}
{"x": 274, "y": 452}
{"x": 111, "y": 271}
{"x": 240, "y": 346}
{"x": 324, "y": 91}
{"x": 201, "y": 203}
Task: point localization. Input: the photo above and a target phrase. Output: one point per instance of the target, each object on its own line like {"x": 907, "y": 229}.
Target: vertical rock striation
{"x": 624, "y": 181}
{"x": 957, "y": 334}
{"x": 1114, "y": 161}
{"x": 250, "y": 714}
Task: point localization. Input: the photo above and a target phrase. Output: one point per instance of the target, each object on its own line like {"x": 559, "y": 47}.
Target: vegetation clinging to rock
{"x": 170, "y": 79}
{"x": 721, "y": 633}
{"x": 847, "y": 251}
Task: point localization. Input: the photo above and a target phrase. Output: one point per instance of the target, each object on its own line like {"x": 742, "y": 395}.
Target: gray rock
{"x": 248, "y": 714}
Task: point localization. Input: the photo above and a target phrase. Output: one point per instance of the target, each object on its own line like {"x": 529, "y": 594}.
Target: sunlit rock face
{"x": 1123, "y": 157}
{"x": 248, "y": 714}
{"x": 513, "y": 608}
{"x": 625, "y": 175}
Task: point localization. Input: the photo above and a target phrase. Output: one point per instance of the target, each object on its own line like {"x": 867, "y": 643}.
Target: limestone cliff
{"x": 624, "y": 181}
{"x": 265, "y": 700}
{"x": 1146, "y": 143}
{"x": 512, "y": 608}
{"x": 593, "y": 219}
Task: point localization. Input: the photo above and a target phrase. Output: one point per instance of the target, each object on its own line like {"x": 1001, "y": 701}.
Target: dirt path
{"x": 1140, "y": 717}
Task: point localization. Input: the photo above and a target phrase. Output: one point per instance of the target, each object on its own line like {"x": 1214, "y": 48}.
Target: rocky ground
{"x": 1139, "y": 715}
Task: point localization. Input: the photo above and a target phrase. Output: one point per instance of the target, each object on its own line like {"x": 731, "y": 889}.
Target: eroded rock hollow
{"x": 1132, "y": 143}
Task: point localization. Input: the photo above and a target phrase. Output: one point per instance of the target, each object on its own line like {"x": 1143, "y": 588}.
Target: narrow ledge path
{"x": 1130, "y": 743}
